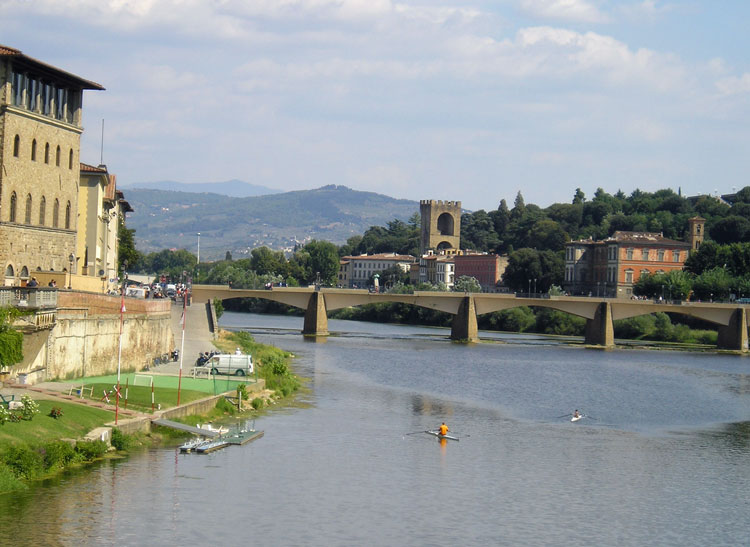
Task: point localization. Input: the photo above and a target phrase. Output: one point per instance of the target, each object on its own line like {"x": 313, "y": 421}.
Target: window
{"x": 18, "y": 87}
{"x": 70, "y": 159}
{"x": 57, "y": 157}
{"x": 46, "y": 153}
{"x": 61, "y": 97}
{"x": 33, "y": 150}
{"x": 67, "y": 216}
{"x": 676, "y": 256}
{"x": 645, "y": 254}
{"x": 42, "y": 210}
{"x": 56, "y": 214}
{"x": 630, "y": 254}
{"x": 661, "y": 255}
{"x": 628, "y": 276}
{"x": 27, "y": 218}
{"x": 16, "y": 146}
{"x": 13, "y": 200}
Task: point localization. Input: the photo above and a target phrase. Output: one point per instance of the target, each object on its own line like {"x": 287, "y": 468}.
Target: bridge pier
{"x": 600, "y": 330}
{"x": 734, "y": 335}
{"x": 316, "y": 318}
{"x": 464, "y": 326}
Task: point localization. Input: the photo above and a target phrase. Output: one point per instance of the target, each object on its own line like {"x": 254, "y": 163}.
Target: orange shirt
{"x": 443, "y": 429}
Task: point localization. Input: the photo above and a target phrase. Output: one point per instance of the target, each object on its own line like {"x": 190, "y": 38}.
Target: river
{"x": 662, "y": 456}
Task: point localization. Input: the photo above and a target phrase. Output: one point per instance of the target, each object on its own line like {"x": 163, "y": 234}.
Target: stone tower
{"x": 441, "y": 225}
{"x": 697, "y": 229}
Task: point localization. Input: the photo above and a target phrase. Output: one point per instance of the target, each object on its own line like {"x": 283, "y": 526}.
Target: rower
{"x": 443, "y": 429}
{"x": 576, "y": 414}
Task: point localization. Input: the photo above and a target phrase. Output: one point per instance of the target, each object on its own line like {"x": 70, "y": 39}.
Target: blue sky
{"x": 468, "y": 100}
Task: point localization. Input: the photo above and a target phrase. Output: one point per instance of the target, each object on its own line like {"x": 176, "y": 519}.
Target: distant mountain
{"x": 165, "y": 220}
{"x": 235, "y": 188}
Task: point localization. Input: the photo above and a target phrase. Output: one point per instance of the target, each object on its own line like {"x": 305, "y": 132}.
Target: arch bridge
{"x": 731, "y": 319}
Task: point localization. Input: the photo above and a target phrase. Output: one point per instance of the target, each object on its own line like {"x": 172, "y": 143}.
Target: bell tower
{"x": 697, "y": 229}
{"x": 441, "y": 225}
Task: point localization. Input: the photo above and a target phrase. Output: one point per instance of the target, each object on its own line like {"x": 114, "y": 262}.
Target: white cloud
{"x": 734, "y": 85}
{"x": 580, "y": 11}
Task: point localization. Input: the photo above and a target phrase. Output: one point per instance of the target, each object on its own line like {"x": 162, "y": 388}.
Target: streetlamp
{"x": 534, "y": 286}
{"x": 529, "y": 292}
{"x": 199, "y": 248}
{"x": 71, "y": 258}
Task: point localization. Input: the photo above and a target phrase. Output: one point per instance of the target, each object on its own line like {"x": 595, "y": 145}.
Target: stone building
{"x": 441, "y": 226}
{"x": 40, "y": 135}
{"x": 611, "y": 267}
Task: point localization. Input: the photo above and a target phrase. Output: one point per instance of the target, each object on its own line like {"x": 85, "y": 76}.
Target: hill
{"x": 234, "y": 187}
{"x": 168, "y": 219}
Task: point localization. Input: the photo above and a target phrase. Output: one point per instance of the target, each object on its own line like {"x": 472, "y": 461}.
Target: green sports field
{"x": 211, "y": 385}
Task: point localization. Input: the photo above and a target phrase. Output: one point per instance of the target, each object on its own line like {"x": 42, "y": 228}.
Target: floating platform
{"x": 203, "y": 446}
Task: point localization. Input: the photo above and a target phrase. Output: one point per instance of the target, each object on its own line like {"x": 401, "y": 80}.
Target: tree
{"x": 228, "y": 256}
{"x": 126, "y": 252}
{"x": 11, "y": 340}
{"x": 467, "y": 283}
{"x": 322, "y": 258}
{"x": 579, "y": 197}
{"x": 731, "y": 229}
{"x": 546, "y": 267}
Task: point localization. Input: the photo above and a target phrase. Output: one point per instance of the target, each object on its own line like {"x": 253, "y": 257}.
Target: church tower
{"x": 441, "y": 225}
{"x": 697, "y": 229}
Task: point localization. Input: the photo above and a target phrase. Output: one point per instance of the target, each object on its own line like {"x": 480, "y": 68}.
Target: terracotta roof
{"x": 91, "y": 169}
{"x": 381, "y": 256}
{"x": 644, "y": 238}
{"x": 6, "y": 51}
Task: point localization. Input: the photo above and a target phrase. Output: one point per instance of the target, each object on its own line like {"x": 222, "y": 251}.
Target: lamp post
{"x": 198, "y": 262}
{"x": 528, "y": 293}
{"x": 71, "y": 258}
{"x": 535, "y": 286}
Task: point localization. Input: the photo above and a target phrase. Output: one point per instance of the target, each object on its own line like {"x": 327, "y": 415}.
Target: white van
{"x": 239, "y": 365}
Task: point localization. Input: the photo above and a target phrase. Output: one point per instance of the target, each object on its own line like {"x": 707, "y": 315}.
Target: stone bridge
{"x": 599, "y": 313}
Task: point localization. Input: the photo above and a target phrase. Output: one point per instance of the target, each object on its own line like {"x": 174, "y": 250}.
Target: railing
{"x": 34, "y": 298}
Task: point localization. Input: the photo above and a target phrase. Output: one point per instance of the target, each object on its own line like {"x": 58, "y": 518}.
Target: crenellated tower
{"x": 441, "y": 225}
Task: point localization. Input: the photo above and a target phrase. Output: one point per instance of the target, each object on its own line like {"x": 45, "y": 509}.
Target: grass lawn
{"x": 139, "y": 397}
{"x": 75, "y": 422}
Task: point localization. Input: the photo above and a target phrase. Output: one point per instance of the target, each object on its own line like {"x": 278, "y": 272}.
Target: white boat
{"x": 576, "y": 418}
{"x": 209, "y": 427}
{"x": 439, "y": 436}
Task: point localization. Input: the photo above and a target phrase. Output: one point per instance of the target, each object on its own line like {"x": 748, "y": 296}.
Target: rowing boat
{"x": 576, "y": 418}
{"x": 439, "y": 436}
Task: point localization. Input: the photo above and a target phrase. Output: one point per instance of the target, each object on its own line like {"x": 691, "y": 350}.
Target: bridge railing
{"x": 28, "y": 297}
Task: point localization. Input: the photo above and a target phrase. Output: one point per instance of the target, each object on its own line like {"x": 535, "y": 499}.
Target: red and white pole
{"x": 119, "y": 351}
{"x": 182, "y": 347}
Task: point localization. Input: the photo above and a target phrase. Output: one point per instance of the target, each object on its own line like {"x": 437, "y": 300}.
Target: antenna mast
{"x": 101, "y": 153}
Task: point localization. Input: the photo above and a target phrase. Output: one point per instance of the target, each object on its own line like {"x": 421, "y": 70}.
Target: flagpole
{"x": 182, "y": 347}
{"x": 119, "y": 351}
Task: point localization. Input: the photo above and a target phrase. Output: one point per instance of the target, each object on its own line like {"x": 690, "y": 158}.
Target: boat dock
{"x": 187, "y": 428}
{"x": 203, "y": 446}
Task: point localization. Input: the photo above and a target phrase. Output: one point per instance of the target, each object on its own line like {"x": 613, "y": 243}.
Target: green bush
{"x": 119, "y": 440}
{"x": 242, "y": 392}
{"x": 257, "y": 403}
{"x": 225, "y": 406}
{"x": 90, "y": 450}
{"x": 30, "y": 407}
{"x": 9, "y": 481}
{"x": 57, "y": 454}
{"x": 23, "y": 461}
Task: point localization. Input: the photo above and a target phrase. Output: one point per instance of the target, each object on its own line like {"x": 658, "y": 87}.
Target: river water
{"x": 662, "y": 456}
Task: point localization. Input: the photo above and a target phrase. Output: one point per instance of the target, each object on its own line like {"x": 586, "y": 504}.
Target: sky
{"x": 468, "y": 100}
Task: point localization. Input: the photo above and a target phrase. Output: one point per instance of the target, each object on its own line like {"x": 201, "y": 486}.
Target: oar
{"x": 415, "y": 432}
{"x": 564, "y": 415}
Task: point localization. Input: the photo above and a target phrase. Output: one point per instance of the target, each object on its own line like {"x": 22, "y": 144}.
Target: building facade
{"x": 101, "y": 210}
{"x": 609, "y": 268}
{"x": 355, "y": 272}
{"x": 437, "y": 268}
{"x": 40, "y": 135}
{"x": 487, "y": 269}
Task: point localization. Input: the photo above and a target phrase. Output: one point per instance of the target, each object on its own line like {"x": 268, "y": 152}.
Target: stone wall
{"x": 85, "y": 338}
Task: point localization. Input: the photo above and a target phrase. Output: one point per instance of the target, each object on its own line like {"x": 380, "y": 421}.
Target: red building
{"x": 488, "y": 269}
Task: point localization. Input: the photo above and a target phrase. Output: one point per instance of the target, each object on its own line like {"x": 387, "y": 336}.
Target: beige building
{"x": 437, "y": 268}
{"x": 101, "y": 207}
{"x": 40, "y": 135}
{"x": 356, "y": 271}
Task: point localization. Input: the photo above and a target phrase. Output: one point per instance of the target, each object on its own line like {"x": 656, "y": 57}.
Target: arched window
{"x": 9, "y": 271}
{"x": 56, "y": 214}
{"x": 13, "y": 201}
{"x": 70, "y": 159}
{"x": 24, "y": 272}
{"x": 16, "y": 146}
{"x": 27, "y": 218}
{"x": 57, "y": 157}
{"x": 67, "y": 216}
{"x": 46, "y": 153}
{"x": 33, "y": 150}
{"x": 42, "y": 210}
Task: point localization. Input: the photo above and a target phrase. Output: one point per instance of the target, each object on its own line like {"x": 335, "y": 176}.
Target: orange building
{"x": 486, "y": 268}
{"x": 610, "y": 267}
